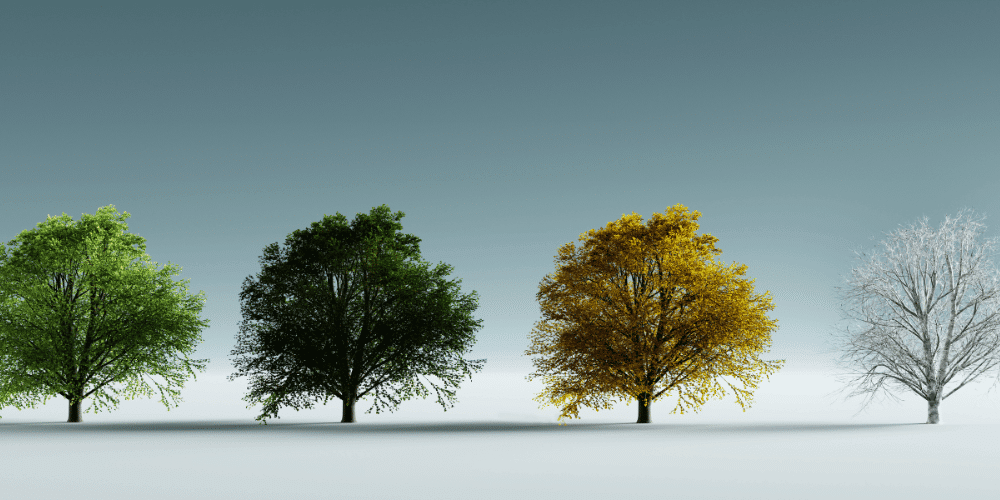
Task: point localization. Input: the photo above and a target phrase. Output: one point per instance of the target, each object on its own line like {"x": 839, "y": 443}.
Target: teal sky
{"x": 800, "y": 130}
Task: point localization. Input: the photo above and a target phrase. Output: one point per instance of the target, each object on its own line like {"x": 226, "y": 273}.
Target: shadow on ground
{"x": 442, "y": 428}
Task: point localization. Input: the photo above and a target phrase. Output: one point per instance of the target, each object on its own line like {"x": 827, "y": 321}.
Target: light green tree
{"x": 85, "y": 314}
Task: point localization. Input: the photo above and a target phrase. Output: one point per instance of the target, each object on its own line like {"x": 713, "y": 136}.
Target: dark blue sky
{"x": 503, "y": 130}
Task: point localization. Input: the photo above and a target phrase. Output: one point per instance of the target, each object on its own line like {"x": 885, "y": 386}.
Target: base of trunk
{"x": 348, "y": 415}
{"x": 74, "y": 412}
{"x": 933, "y": 416}
{"x": 644, "y": 409}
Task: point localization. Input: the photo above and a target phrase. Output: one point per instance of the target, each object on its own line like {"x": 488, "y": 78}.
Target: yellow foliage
{"x": 643, "y": 311}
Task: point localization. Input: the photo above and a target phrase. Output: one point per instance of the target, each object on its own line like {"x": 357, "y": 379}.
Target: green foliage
{"x": 348, "y": 311}
{"x": 85, "y": 313}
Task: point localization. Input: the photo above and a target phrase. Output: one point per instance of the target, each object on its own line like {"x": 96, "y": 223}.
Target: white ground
{"x": 796, "y": 443}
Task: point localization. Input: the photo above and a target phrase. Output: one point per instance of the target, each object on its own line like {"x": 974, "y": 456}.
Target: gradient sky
{"x": 800, "y": 130}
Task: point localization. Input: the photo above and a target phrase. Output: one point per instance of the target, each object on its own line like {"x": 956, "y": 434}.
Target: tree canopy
{"x": 349, "y": 311}
{"x": 84, "y": 313}
{"x": 929, "y": 311}
{"x": 643, "y": 311}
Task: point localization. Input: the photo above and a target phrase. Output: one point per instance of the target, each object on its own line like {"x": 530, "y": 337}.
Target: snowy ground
{"x": 797, "y": 442}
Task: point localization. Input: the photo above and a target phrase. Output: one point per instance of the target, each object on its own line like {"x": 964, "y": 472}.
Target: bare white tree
{"x": 930, "y": 310}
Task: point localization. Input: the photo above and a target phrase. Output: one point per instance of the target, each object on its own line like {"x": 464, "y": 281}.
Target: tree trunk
{"x": 348, "y": 417}
{"x": 932, "y": 410}
{"x": 74, "y": 411}
{"x": 643, "y": 408}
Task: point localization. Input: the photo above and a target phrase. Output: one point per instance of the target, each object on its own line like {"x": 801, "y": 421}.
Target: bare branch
{"x": 931, "y": 301}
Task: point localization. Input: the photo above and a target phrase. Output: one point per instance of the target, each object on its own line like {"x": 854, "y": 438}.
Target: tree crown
{"x": 644, "y": 310}
{"x": 82, "y": 308}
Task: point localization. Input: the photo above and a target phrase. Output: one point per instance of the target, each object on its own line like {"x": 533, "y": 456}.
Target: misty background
{"x": 503, "y": 130}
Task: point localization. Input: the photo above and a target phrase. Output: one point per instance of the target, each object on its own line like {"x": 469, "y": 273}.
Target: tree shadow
{"x": 463, "y": 428}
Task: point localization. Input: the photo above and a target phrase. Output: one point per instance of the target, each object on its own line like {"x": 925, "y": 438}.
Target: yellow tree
{"x": 642, "y": 312}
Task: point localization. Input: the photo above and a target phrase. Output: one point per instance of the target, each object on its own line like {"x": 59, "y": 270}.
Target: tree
{"x": 642, "y": 312}
{"x": 350, "y": 311}
{"x": 84, "y": 313}
{"x": 929, "y": 310}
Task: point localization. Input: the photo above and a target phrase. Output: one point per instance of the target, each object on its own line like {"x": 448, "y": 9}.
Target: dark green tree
{"x": 84, "y": 313}
{"x": 350, "y": 311}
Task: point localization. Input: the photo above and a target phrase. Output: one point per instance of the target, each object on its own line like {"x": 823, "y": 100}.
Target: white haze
{"x": 800, "y": 440}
